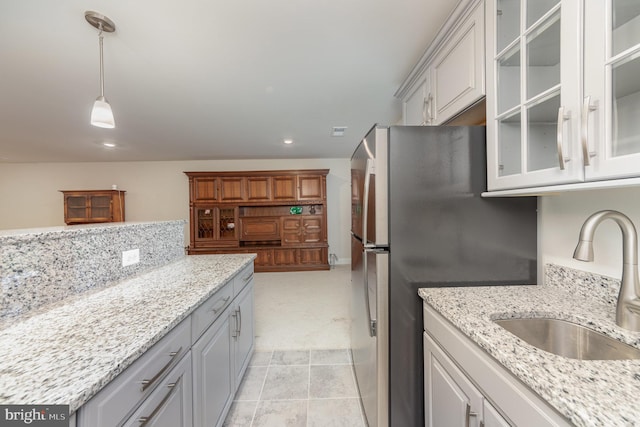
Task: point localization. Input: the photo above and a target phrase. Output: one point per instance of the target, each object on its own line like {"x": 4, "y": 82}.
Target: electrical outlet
{"x": 130, "y": 257}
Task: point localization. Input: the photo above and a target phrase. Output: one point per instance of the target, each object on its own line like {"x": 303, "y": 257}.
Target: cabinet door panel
{"x": 100, "y": 208}
{"x": 533, "y": 96}
{"x": 285, "y": 257}
{"x": 259, "y": 228}
{"x": 416, "y": 105}
{"x": 213, "y": 373}
{"x": 312, "y": 230}
{"x": 232, "y": 189}
{"x": 310, "y": 187}
{"x": 263, "y": 257}
{"x": 457, "y": 76}
{"x": 450, "y": 398}
{"x": 77, "y": 208}
{"x": 310, "y": 256}
{"x": 244, "y": 338}
{"x": 258, "y": 189}
{"x": 284, "y": 188}
{"x": 291, "y": 230}
{"x": 492, "y": 417}
{"x": 611, "y": 132}
{"x": 204, "y": 189}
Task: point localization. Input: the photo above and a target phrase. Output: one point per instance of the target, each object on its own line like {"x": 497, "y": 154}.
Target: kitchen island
{"x": 583, "y": 392}
{"x": 66, "y": 352}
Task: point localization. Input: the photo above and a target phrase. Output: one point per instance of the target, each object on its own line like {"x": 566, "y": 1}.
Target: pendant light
{"x": 101, "y": 115}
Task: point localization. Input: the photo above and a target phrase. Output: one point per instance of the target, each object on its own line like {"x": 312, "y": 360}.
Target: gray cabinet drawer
{"x": 210, "y": 310}
{"x": 116, "y": 401}
{"x": 242, "y": 279}
{"x": 170, "y": 403}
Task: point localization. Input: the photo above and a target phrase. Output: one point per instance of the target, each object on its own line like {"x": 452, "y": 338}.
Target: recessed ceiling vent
{"x": 338, "y": 130}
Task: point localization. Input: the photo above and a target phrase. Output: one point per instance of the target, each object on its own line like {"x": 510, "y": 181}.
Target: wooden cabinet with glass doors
{"x": 279, "y": 215}
{"x": 93, "y": 206}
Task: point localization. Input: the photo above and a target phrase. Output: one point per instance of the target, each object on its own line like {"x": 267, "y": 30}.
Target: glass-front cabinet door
{"x": 533, "y": 95}
{"x": 610, "y": 134}
{"x": 216, "y": 225}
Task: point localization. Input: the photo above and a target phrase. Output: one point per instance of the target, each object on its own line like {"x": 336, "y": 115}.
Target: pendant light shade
{"x": 101, "y": 114}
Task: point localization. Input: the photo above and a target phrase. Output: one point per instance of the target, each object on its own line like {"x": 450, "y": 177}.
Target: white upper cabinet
{"x": 449, "y": 78}
{"x": 533, "y": 93}
{"x": 610, "y": 136}
{"x": 563, "y": 93}
{"x": 417, "y": 104}
{"x": 457, "y": 72}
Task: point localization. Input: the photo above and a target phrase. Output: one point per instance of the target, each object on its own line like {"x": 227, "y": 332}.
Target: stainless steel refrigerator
{"x": 418, "y": 220}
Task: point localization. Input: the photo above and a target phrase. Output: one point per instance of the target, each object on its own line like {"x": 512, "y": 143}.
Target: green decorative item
{"x": 295, "y": 210}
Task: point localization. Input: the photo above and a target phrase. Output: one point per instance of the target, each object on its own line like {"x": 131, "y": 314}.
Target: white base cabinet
{"x": 450, "y": 398}
{"x": 464, "y": 386}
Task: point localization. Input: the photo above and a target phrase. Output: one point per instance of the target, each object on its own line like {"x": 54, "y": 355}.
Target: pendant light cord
{"x": 100, "y": 37}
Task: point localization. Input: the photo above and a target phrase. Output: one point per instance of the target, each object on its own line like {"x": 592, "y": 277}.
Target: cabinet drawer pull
{"x": 147, "y": 383}
{"x": 224, "y": 303}
{"x": 172, "y": 386}
{"x": 240, "y": 321}
{"x": 587, "y": 108}
{"x": 562, "y": 117}
{"x": 248, "y": 277}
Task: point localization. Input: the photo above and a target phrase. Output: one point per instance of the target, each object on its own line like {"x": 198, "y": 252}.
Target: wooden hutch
{"x": 279, "y": 215}
{"x": 93, "y": 206}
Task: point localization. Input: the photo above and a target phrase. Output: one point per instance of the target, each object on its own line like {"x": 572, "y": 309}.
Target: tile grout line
{"x": 355, "y": 384}
{"x": 308, "y": 389}
{"x": 264, "y": 381}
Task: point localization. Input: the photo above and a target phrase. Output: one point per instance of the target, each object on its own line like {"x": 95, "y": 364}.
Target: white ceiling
{"x": 196, "y": 79}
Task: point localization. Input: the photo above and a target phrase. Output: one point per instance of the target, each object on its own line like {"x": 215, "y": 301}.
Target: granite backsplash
{"x": 44, "y": 265}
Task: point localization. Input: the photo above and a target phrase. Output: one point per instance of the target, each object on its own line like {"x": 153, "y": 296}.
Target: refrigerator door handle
{"x": 371, "y": 325}
{"x": 369, "y": 170}
{"x": 371, "y": 317}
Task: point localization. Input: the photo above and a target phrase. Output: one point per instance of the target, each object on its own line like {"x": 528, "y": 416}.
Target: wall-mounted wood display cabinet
{"x": 93, "y": 206}
{"x": 279, "y": 215}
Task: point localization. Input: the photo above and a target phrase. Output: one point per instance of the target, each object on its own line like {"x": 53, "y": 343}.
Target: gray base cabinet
{"x": 188, "y": 378}
{"x": 170, "y": 403}
{"x": 243, "y": 334}
{"x": 221, "y": 355}
{"x": 213, "y": 373}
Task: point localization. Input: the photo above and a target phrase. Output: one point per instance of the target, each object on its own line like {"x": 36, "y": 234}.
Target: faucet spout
{"x": 628, "y": 307}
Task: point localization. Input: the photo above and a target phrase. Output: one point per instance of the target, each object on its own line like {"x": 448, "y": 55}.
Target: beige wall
{"x": 159, "y": 191}
{"x": 155, "y": 190}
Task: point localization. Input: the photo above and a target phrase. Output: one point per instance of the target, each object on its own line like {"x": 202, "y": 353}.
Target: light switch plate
{"x": 130, "y": 257}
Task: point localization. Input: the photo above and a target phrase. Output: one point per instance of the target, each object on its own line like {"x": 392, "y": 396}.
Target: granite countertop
{"x": 66, "y": 352}
{"x": 588, "y": 393}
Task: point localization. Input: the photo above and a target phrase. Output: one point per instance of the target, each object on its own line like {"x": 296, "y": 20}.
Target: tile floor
{"x": 301, "y": 373}
{"x": 297, "y": 388}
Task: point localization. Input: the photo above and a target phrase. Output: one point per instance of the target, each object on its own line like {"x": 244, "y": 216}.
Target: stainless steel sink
{"x": 568, "y": 339}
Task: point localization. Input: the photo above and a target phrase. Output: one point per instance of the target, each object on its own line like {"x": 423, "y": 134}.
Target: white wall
{"x": 155, "y": 190}
{"x": 562, "y": 216}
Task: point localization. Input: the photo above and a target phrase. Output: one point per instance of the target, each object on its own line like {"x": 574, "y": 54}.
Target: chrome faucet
{"x": 628, "y": 307}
